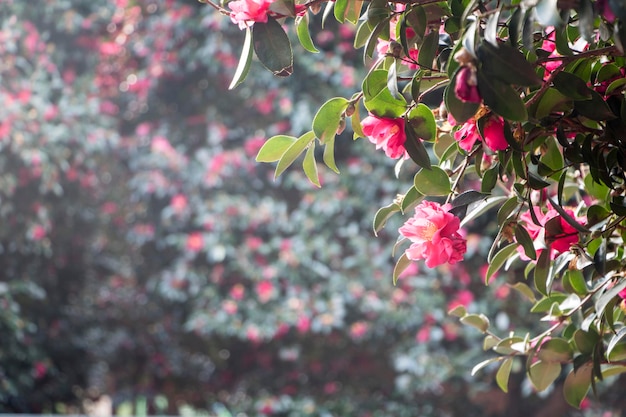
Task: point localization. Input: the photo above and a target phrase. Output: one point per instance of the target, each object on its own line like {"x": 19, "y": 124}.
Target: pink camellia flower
{"x": 467, "y": 135}
{"x": 246, "y": 12}
{"x": 387, "y": 134}
{"x": 434, "y": 233}
{"x": 493, "y": 131}
{"x": 561, "y": 241}
{"x": 466, "y": 86}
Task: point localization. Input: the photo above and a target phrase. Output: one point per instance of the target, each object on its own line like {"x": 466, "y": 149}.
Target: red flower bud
{"x": 466, "y": 88}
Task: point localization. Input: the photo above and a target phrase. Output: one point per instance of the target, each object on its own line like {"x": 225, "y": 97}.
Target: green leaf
{"x": 310, "y": 166}
{"x": 595, "y": 108}
{"x": 507, "y": 209}
{"x": 304, "y": 36}
{"x": 481, "y": 208}
{"x": 483, "y": 365}
{"x": 411, "y": 199}
{"x": 433, "y": 182}
{"x": 490, "y": 178}
{"x": 293, "y": 152}
{"x": 244, "y": 61}
{"x": 274, "y": 148}
{"x": 555, "y": 350}
{"x": 458, "y": 311}
{"x": 415, "y": 148}
{"x": 377, "y": 97}
{"x": 328, "y": 117}
{"x": 507, "y": 64}
{"x": 615, "y": 340}
{"x": 422, "y": 121}
{"x": 402, "y": 264}
{"x": 571, "y": 86}
{"x": 501, "y": 98}
{"x": 479, "y": 321}
{"x": 608, "y": 295}
{"x": 586, "y": 341}
{"x": 428, "y": 50}
{"x": 382, "y": 215}
{"x": 543, "y": 374}
{"x": 329, "y": 155}
{"x": 524, "y": 239}
{"x": 524, "y": 290}
{"x": 372, "y": 40}
{"x": 577, "y": 385}
{"x": 503, "y": 374}
{"x": 272, "y": 47}
{"x": 460, "y": 111}
{"x": 499, "y": 259}
{"x": 551, "y": 101}
{"x": 542, "y": 272}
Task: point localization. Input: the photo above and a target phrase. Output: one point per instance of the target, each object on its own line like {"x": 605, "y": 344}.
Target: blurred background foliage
{"x": 144, "y": 254}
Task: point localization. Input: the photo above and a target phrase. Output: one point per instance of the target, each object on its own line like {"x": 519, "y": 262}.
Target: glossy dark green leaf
{"x": 428, "y": 49}
{"x": 272, "y": 47}
{"x": 551, "y": 101}
{"x": 561, "y": 41}
{"x": 243, "y": 67}
{"x": 568, "y": 218}
{"x": 501, "y": 98}
{"x": 490, "y": 179}
{"x": 542, "y": 272}
{"x": 571, "y": 86}
{"x": 507, "y": 209}
{"x": 415, "y": 148}
{"x": 524, "y": 239}
{"x": 467, "y": 198}
{"x": 595, "y": 108}
{"x": 507, "y": 64}
{"x": 372, "y": 40}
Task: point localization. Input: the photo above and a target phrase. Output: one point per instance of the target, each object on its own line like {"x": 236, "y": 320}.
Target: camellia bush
{"x": 509, "y": 111}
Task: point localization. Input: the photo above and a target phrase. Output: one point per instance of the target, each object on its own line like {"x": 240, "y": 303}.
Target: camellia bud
{"x": 350, "y": 109}
{"x": 466, "y": 88}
